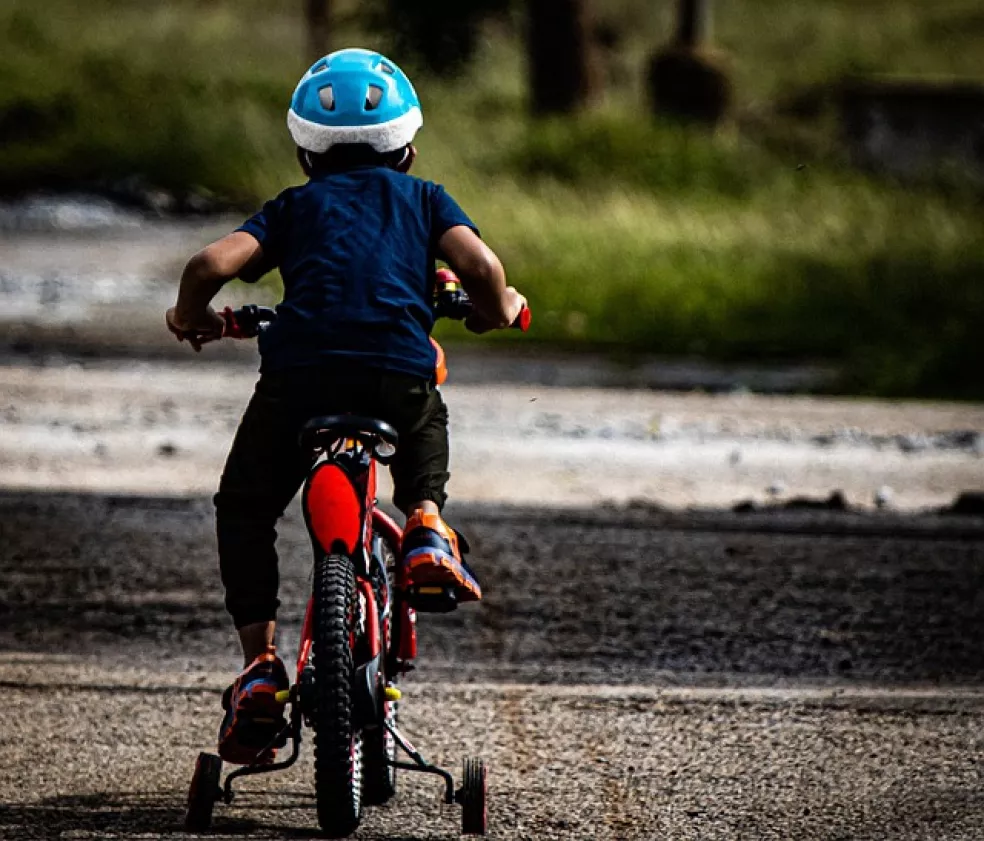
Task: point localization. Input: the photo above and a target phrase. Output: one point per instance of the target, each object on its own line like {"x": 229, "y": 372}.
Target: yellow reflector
{"x": 283, "y": 696}
{"x": 430, "y": 591}
{"x": 392, "y": 693}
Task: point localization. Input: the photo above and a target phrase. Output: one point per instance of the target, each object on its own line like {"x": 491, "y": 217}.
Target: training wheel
{"x": 474, "y": 798}
{"x": 203, "y": 792}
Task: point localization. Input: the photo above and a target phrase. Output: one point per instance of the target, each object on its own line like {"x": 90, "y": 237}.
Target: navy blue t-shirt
{"x": 356, "y": 250}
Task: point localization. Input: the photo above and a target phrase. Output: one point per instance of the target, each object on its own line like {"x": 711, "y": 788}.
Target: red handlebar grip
{"x": 523, "y": 320}
{"x": 231, "y": 329}
{"x": 446, "y": 277}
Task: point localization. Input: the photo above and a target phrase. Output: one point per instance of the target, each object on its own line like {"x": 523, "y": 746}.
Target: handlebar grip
{"x": 523, "y": 320}
{"x": 231, "y": 328}
{"x": 247, "y": 321}
{"x": 445, "y": 277}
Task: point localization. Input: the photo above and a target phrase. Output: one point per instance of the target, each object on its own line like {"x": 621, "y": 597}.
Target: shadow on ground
{"x": 139, "y": 815}
{"x": 120, "y": 815}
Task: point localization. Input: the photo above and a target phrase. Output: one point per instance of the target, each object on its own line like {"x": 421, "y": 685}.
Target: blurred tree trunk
{"x": 443, "y": 35}
{"x": 561, "y": 66}
{"x": 693, "y": 23}
{"x": 316, "y": 16}
{"x": 688, "y": 79}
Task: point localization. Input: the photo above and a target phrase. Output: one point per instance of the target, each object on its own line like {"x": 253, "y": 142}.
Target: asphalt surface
{"x": 633, "y": 673}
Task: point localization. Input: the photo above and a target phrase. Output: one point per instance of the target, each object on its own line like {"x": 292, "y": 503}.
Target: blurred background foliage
{"x": 759, "y": 240}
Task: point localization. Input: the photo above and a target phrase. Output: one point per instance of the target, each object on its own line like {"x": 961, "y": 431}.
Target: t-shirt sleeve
{"x": 267, "y": 228}
{"x": 446, "y": 213}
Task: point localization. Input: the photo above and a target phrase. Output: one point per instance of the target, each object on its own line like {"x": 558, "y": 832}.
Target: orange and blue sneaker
{"x": 254, "y": 717}
{"x": 432, "y": 571}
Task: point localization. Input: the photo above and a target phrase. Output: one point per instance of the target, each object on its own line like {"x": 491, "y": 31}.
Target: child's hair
{"x": 348, "y": 155}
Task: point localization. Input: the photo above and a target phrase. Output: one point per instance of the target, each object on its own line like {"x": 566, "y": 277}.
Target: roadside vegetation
{"x": 756, "y": 243}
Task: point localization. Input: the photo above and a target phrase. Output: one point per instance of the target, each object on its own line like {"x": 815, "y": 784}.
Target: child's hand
{"x": 519, "y": 302}
{"x": 474, "y": 323}
{"x": 513, "y": 304}
{"x": 207, "y": 327}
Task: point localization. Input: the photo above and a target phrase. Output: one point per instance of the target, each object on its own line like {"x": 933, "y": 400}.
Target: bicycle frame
{"x": 340, "y": 512}
{"x": 339, "y": 504}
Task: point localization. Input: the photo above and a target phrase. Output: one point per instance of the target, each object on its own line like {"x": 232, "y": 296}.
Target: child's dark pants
{"x": 266, "y": 467}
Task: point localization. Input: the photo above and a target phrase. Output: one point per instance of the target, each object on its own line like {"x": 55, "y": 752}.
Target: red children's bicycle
{"x": 359, "y": 630}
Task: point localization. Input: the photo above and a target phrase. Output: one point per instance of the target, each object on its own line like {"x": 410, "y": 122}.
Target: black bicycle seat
{"x": 321, "y": 432}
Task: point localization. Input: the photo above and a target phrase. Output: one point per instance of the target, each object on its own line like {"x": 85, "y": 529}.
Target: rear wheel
{"x": 337, "y": 743}
{"x": 474, "y": 798}
{"x": 203, "y": 792}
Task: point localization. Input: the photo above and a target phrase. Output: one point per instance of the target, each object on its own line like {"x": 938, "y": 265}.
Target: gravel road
{"x": 632, "y": 674}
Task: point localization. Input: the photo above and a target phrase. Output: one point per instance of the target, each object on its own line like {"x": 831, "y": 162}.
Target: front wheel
{"x": 379, "y": 746}
{"x": 337, "y": 742}
{"x": 380, "y": 751}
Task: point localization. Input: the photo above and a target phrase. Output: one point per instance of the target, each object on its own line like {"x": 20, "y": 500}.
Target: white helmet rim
{"x": 384, "y": 137}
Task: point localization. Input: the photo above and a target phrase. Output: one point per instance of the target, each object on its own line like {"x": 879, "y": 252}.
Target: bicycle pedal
{"x": 257, "y": 731}
{"x": 432, "y": 598}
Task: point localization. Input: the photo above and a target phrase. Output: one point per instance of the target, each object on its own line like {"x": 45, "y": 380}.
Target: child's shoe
{"x": 432, "y": 571}
{"x": 254, "y": 717}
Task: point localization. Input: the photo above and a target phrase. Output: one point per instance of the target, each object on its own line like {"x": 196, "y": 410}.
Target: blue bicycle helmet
{"x": 354, "y": 96}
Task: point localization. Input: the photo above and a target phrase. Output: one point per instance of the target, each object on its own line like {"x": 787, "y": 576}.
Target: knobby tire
{"x": 337, "y": 745}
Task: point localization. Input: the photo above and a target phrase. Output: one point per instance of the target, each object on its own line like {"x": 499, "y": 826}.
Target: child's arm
{"x": 206, "y": 273}
{"x": 496, "y": 305}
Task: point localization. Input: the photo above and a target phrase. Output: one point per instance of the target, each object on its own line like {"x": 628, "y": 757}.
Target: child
{"x": 356, "y": 247}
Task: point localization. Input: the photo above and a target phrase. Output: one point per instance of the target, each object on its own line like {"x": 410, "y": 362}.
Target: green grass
{"x": 146, "y": 92}
{"x": 890, "y": 289}
{"x": 755, "y": 243}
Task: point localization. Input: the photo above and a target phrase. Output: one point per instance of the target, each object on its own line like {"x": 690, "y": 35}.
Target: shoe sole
{"x": 429, "y": 568}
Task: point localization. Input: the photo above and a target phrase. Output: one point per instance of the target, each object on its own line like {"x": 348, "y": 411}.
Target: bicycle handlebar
{"x": 451, "y": 302}
{"x": 247, "y": 322}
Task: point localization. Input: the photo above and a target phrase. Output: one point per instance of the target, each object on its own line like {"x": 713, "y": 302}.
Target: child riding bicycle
{"x": 356, "y": 247}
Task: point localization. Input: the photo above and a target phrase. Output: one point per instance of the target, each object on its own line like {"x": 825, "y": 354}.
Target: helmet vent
{"x": 373, "y": 95}
{"x": 321, "y": 65}
{"x": 386, "y": 68}
{"x": 327, "y": 97}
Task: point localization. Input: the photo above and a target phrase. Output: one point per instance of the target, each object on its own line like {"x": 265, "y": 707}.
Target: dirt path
{"x": 165, "y": 427}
